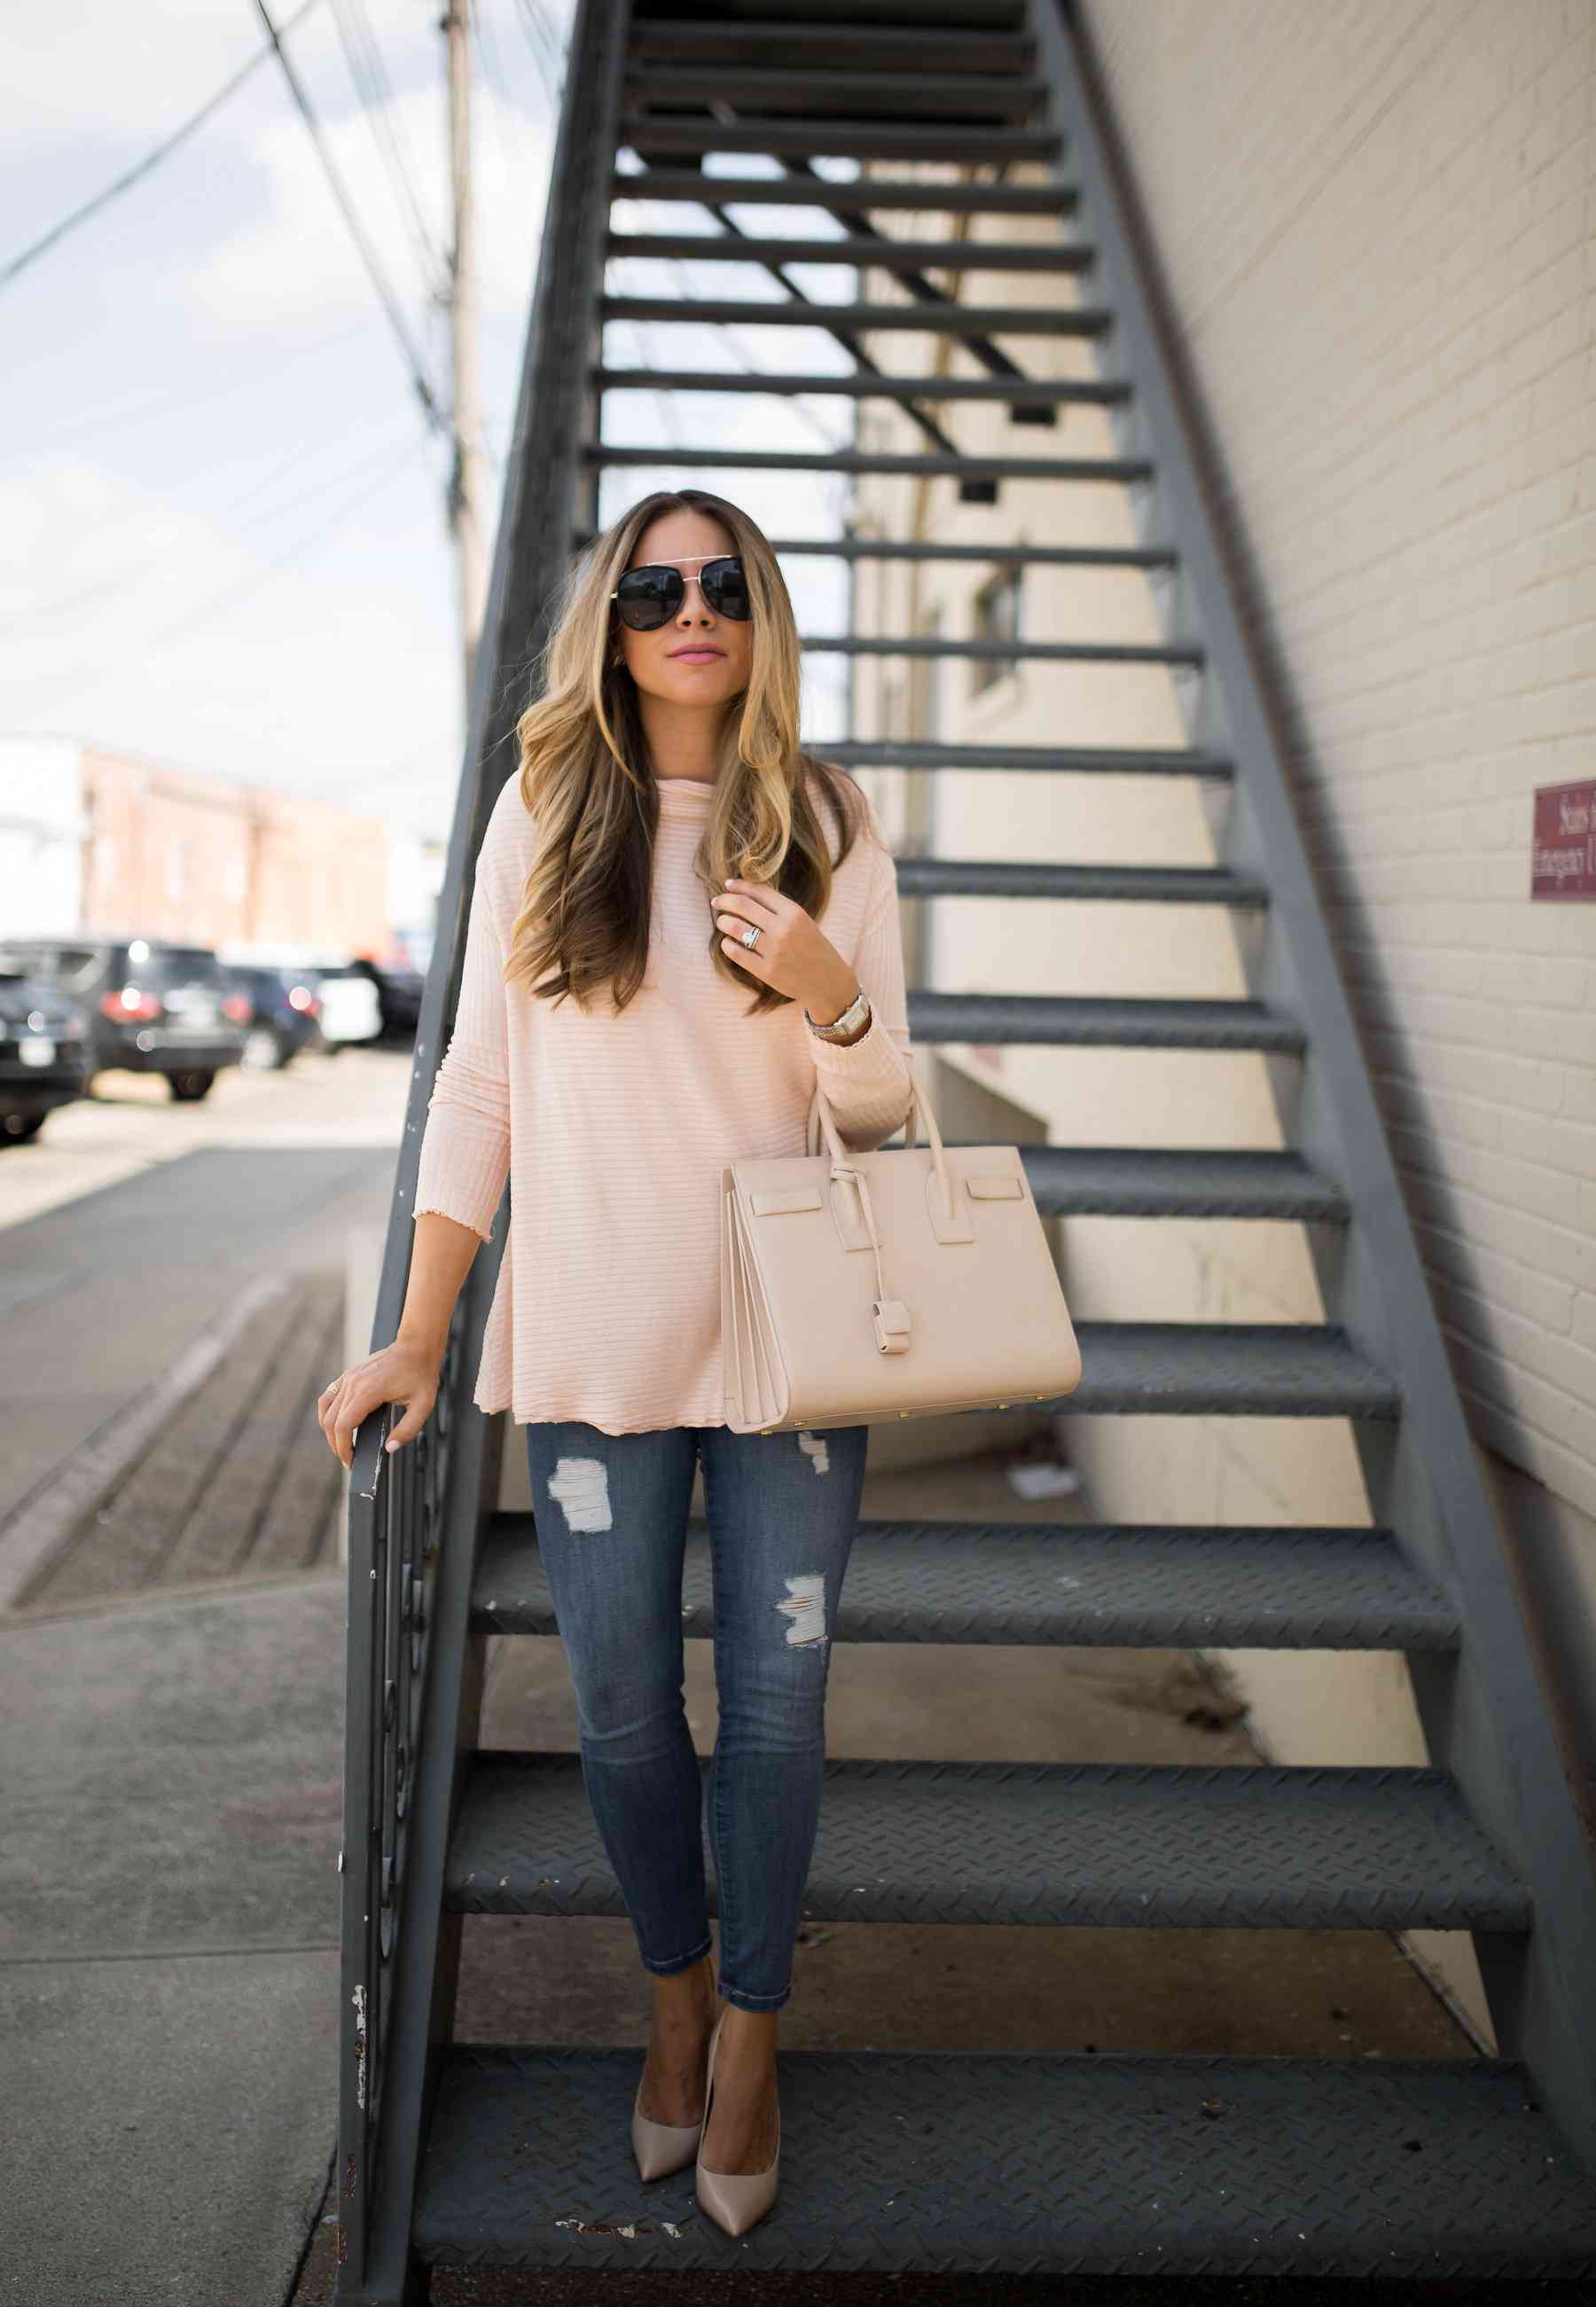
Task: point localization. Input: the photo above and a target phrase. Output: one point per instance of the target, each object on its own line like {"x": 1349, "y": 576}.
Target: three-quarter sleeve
{"x": 867, "y": 1082}
{"x": 465, "y": 1146}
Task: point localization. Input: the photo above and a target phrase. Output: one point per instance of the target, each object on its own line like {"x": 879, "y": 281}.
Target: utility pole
{"x": 468, "y": 491}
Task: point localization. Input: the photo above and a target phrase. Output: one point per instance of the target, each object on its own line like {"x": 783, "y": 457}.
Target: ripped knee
{"x": 804, "y": 1607}
{"x": 581, "y": 1487}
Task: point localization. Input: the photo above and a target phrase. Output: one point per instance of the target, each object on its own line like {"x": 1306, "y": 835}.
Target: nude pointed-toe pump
{"x": 662, "y": 2146}
{"x": 733, "y": 2199}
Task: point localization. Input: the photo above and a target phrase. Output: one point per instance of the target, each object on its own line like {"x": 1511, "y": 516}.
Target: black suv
{"x": 44, "y": 1059}
{"x": 152, "y": 1006}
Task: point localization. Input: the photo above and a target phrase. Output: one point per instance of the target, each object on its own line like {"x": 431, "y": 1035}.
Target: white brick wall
{"x": 1378, "y": 225}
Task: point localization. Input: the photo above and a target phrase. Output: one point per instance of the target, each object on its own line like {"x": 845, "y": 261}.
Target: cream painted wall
{"x": 1380, "y": 239}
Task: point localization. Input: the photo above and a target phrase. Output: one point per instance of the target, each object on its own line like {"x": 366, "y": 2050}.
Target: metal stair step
{"x": 879, "y": 47}
{"x": 1225, "y": 1369}
{"x": 861, "y": 384}
{"x": 1186, "y": 652}
{"x": 1128, "y": 760}
{"x": 1092, "y": 1021}
{"x": 943, "y": 318}
{"x": 895, "y": 255}
{"x": 1167, "y": 1846}
{"x": 1130, "y": 2164}
{"x": 921, "y": 466}
{"x": 924, "y": 466}
{"x": 981, "y": 877}
{"x": 823, "y": 193}
{"x": 1136, "y": 1181}
{"x": 997, "y": 556}
{"x": 646, "y": 133}
{"x": 892, "y": 94}
{"x": 964, "y": 15}
{"x": 1133, "y": 1585}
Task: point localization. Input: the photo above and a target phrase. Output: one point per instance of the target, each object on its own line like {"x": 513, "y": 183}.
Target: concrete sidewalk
{"x": 168, "y": 1963}
{"x": 171, "y": 1711}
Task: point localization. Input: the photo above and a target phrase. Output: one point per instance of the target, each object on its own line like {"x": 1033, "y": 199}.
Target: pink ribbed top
{"x": 611, "y": 1128}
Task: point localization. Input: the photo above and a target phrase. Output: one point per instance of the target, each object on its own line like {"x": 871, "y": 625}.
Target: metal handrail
{"x": 415, "y": 1516}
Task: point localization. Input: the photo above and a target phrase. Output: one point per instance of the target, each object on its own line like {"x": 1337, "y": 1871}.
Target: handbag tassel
{"x": 890, "y": 1314}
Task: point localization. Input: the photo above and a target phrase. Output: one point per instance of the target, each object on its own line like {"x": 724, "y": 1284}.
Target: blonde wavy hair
{"x": 586, "y": 783}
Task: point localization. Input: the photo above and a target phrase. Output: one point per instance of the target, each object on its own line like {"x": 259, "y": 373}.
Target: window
{"x": 996, "y": 619}
{"x": 164, "y": 966}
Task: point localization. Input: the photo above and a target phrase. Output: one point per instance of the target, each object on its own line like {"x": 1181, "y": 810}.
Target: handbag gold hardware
{"x": 904, "y": 1282}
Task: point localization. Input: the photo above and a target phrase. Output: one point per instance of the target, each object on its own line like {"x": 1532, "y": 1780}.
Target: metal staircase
{"x": 478, "y": 2156}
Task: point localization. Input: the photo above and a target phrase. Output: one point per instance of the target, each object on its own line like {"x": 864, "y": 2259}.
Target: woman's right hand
{"x": 402, "y": 1372}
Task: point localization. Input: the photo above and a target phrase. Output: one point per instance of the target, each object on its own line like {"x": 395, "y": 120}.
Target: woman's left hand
{"x": 793, "y": 954}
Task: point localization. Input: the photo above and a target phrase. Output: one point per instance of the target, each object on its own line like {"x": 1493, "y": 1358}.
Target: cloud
{"x": 79, "y": 72}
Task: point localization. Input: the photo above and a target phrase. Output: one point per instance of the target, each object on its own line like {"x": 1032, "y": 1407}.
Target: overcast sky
{"x": 225, "y": 541}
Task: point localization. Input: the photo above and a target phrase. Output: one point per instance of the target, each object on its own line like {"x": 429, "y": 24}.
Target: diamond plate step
{"x": 790, "y": 191}
{"x": 646, "y": 133}
{"x": 879, "y": 47}
{"x": 1142, "y": 1585}
{"x": 1090, "y": 760}
{"x": 850, "y": 96}
{"x": 1007, "y": 556}
{"x": 1226, "y": 1369}
{"x": 1129, "y": 1182}
{"x": 1090, "y": 1021}
{"x": 1000, "y": 652}
{"x": 1129, "y": 2165}
{"x": 894, "y": 255}
{"x": 1172, "y": 1846}
{"x": 988, "y": 16}
{"x": 946, "y": 319}
{"x": 934, "y": 463}
{"x": 982, "y": 877}
{"x": 861, "y": 384}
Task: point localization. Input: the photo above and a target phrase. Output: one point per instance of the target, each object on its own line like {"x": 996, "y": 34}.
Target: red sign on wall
{"x": 1563, "y": 864}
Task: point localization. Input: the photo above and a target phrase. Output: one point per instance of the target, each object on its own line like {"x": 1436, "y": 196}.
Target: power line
{"x": 9, "y": 271}
{"x": 548, "y": 50}
{"x": 376, "y": 92}
{"x": 436, "y": 416}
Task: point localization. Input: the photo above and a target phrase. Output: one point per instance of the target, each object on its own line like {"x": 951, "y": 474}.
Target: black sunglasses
{"x": 647, "y": 598}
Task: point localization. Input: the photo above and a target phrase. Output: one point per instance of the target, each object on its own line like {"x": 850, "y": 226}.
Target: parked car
{"x": 44, "y": 1055}
{"x": 151, "y": 1005}
{"x": 351, "y": 1010}
{"x": 283, "y": 1014}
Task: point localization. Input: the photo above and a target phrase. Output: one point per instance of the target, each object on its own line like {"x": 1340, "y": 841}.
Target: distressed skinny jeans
{"x": 611, "y": 1512}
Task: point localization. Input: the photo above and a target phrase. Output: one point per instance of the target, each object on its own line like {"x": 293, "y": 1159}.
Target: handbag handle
{"x": 822, "y": 1120}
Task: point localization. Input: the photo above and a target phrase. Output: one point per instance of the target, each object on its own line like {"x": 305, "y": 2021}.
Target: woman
{"x": 665, "y": 851}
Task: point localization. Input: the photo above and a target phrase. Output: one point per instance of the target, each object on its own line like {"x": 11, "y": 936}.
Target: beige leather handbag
{"x": 858, "y": 1287}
